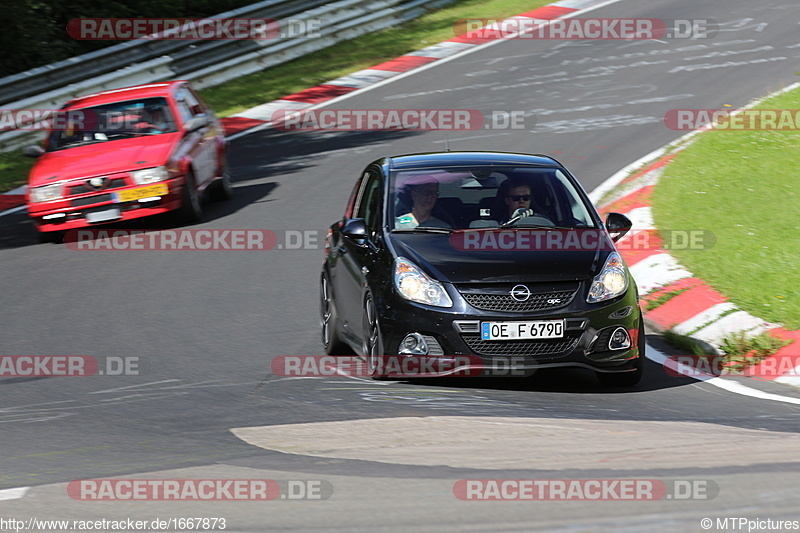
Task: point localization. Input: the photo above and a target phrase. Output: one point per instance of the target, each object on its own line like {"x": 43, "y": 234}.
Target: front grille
{"x": 504, "y": 302}
{"x": 88, "y": 200}
{"x": 522, "y": 348}
{"x": 83, "y": 188}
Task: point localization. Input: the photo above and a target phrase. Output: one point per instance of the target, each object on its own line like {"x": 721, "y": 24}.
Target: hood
{"x": 437, "y": 254}
{"x": 103, "y": 158}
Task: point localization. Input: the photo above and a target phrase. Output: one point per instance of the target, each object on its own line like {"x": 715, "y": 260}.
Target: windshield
{"x": 463, "y": 198}
{"x": 110, "y": 122}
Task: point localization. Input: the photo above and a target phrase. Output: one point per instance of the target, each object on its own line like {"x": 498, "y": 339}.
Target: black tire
{"x": 49, "y": 237}
{"x": 632, "y": 378}
{"x": 373, "y": 343}
{"x": 191, "y": 209}
{"x": 223, "y": 189}
{"x": 329, "y": 325}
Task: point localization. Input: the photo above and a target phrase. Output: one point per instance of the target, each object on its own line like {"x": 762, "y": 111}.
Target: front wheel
{"x": 328, "y": 323}
{"x": 373, "y": 343}
{"x": 223, "y": 189}
{"x": 191, "y": 210}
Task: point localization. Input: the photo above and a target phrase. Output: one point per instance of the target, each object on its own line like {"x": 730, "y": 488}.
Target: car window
{"x": 369, "y": 202}
{"x": 463, "y": 198}
{"x": 111, "y": 122}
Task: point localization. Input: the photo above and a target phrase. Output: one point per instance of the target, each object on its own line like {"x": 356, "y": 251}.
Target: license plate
{"x": 514, "y": 331}
{"x": 103, "y": 216}
{"x": 130, "y": 195}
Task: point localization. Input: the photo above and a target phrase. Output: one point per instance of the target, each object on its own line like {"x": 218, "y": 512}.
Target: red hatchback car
{"x": 128, "y": 153}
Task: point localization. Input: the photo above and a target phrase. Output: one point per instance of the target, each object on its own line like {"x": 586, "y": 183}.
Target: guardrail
{"x": 206, "y": 63}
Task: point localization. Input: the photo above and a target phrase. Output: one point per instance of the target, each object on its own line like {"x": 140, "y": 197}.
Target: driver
{"x": 514, "y": 194}
{"x": 154, "y": 120}
{"x": 423, "y": 200}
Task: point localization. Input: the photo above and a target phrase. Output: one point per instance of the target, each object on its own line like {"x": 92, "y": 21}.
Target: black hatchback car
{"x": 496, "y": 259}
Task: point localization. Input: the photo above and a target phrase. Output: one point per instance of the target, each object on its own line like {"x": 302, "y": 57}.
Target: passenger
{"x": 423, "y": 198}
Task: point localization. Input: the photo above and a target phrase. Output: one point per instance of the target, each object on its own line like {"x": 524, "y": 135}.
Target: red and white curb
{"x": 700, "y": 311}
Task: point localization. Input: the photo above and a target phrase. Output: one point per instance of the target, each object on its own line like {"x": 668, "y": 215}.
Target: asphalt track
{"x": 206, "y": 325}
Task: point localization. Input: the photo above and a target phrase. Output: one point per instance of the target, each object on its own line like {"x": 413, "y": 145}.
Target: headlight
{"x": 149, "y": 175}
{"x": 414, "y": 285}
{"x": 610, "y": 282}
{"x": 46, "y": 192}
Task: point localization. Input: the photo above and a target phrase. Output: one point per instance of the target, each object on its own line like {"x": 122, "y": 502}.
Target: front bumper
{"x": 71, "y": 212}
{"x": 584, "y": 344}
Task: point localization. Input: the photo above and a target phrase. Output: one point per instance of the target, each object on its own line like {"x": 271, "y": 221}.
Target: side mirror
{"x": 618, "y": 225}
{"x": 356, "y": 229}
{"x": 195, "y": 123}
{"x": 33, "y": 151}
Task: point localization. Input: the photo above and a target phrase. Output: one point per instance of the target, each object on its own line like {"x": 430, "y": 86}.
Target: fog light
{"x": 54, "y": 215}
{"x": 413, "y": 344}
{"x": 619, "y": 340}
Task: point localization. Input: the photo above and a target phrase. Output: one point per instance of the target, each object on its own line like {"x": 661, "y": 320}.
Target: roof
{"x": 408, "y": 161}
{"x": 148, "y": 90}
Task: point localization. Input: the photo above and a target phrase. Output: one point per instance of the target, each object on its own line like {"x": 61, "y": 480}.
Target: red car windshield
{"x": 110, "y": 122}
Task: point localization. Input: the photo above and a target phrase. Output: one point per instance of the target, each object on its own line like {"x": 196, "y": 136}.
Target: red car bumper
{"x": 106, "y": 206}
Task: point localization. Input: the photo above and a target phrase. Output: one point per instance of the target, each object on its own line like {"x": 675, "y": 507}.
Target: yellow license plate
{"x": 130, "y": 195}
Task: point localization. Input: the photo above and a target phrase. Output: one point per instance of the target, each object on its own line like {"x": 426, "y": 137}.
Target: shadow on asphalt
{"x": 17, "y": 231}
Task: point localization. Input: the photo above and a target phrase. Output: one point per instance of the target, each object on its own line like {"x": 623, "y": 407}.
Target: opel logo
{"x": 96, "y": 182}
{"x": 521, "y": 293}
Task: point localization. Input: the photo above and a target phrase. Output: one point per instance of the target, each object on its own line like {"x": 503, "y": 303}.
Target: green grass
{"x": 14, "y": 169}
{"x": 743, "y": 187}
{"x": 341, "y": 59}
{"x": 664, "y": 298}
{"x": 741, "y": 351}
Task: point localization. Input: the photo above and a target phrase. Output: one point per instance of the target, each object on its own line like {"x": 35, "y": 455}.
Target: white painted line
{"x": 730, "y": 386}
{"x": 791, "y": 378}
{"x": 13, "y": 494}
